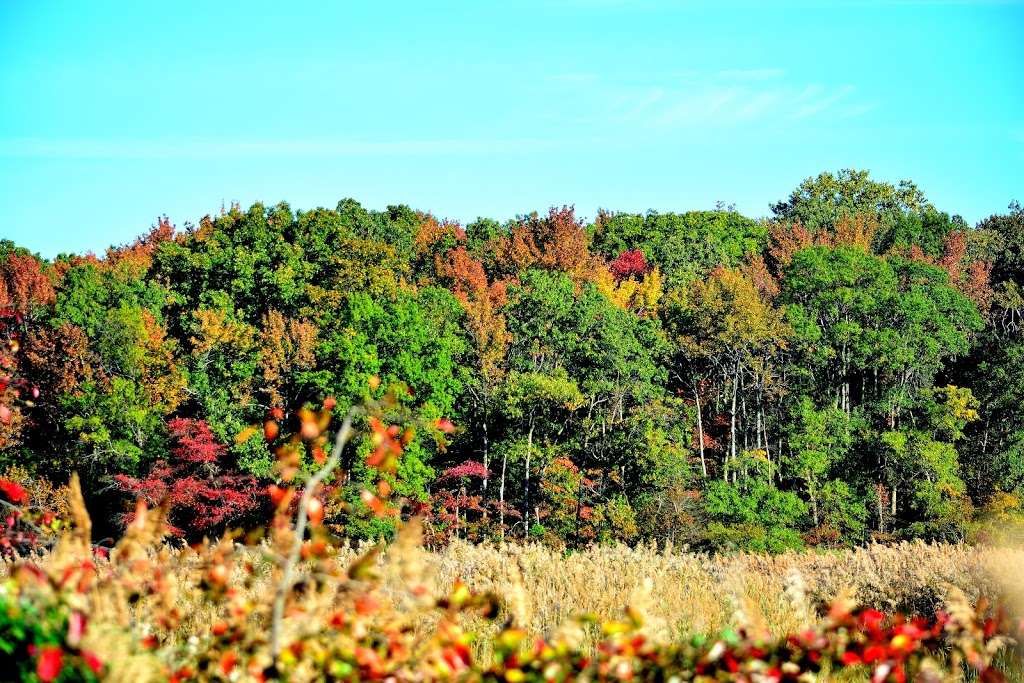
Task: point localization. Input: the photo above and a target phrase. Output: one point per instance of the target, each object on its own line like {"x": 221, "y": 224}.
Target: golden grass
{"x": 686, "y": 593}
{"x": 677, "y": 592}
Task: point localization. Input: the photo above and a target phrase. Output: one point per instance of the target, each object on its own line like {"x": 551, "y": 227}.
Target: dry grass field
{"x": 684, "y": 592}
{"x": 149, "y": 610}
{"x": 676, "y": 593}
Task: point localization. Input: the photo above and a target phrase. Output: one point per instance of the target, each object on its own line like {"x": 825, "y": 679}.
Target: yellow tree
{"x": 640, "y": 295}
{"x": 725, "y": 326}
{"x": 287, "y": 346}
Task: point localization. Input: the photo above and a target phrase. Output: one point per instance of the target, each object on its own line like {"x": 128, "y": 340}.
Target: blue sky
{"x": 112, "y": 114}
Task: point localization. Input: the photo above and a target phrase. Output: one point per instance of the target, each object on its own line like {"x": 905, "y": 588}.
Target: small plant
{"x": 41, "y": 640}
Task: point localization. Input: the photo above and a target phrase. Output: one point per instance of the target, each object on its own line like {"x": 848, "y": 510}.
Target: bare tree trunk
{"x": 732, "y": 422}
{"x": 526, "y": 477}
{"x": 501, "y": 494}
{"x": 778, "y": 469}
{"x": 757, "y": 425}
{"x": 487, "y": 452}
{"x": 881, "y": 509}
{"x": 700, "y": 432}
{"x": 746, "y": 421}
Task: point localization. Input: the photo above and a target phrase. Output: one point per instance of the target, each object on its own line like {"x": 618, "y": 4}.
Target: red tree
{"x": 459, "y": 512}
{"x": 786, "y": 239}
{"x": 468, "y": 469}
{"x": 757, "y": 270}
{"x": 203, "y": 493}
{"x": 462, "y": 273}
{"x": 971, "y": 278}
{"x": 977, "y": 286}
{"x": 141, "y": 250}
{"x": 24, "y": 286}
{"x": 629, "y": 264}
{"x": 557, "y": 241}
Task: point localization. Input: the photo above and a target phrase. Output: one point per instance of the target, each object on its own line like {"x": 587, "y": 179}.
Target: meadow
{"x": 686, "y": 593}
{"x": 148, "y": 612}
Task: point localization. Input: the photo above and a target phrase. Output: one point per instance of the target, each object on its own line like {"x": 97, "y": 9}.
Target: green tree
{"x": 927, "y": 229}
{"x": 536, "y": 400}
{"x": 752, "y": 514}
{"x": 818, "y": 203}
{"x": 819, "y": 440}
{"x": 614, "y": 357}
{"x": 683, "y": 246}
{"x": 723, "y": 326}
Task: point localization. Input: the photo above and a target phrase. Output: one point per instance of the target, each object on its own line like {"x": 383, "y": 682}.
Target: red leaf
{"x": 13, "y": 491}
{"x": 50, "y": 663}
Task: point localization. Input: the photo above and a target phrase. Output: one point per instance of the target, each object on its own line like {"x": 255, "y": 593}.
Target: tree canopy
{"x": 850, "y": 368}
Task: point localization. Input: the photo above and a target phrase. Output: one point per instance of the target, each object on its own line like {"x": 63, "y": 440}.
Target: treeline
{"x": 851, "y": 368}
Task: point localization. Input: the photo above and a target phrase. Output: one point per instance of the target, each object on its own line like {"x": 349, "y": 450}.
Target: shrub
{"x": 203, "y": 492}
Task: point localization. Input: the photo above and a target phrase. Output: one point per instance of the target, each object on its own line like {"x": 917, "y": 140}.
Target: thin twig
{"x": 287, "y": 577}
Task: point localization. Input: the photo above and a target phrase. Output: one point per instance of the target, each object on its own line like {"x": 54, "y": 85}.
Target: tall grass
{"x": 677, "y": 594}
{"x": 684, "y": 592}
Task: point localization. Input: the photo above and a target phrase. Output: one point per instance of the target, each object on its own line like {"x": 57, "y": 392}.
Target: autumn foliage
{"x": 846, "y": 372}
{"x": 629, "y": 264}
{"x": 202, "y": 492}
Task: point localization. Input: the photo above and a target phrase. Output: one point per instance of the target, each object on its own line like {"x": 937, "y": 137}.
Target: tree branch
{"x": 292, "y": 560}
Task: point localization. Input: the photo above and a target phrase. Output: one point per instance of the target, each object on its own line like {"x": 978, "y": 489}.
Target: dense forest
{"x": 850, "y": 368}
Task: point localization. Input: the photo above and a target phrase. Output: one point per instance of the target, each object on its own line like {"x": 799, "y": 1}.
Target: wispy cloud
{"x": 816, "y": 99}
{"x": 855, "y": 110}
{"x": 708, "y": 105}
{"x": 750, "y": 74}
{"x": 728, "y": 98}
{"x": 208, "y": 149}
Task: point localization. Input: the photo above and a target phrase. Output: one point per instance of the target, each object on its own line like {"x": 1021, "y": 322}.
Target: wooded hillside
{"x": 850, "y": 368}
